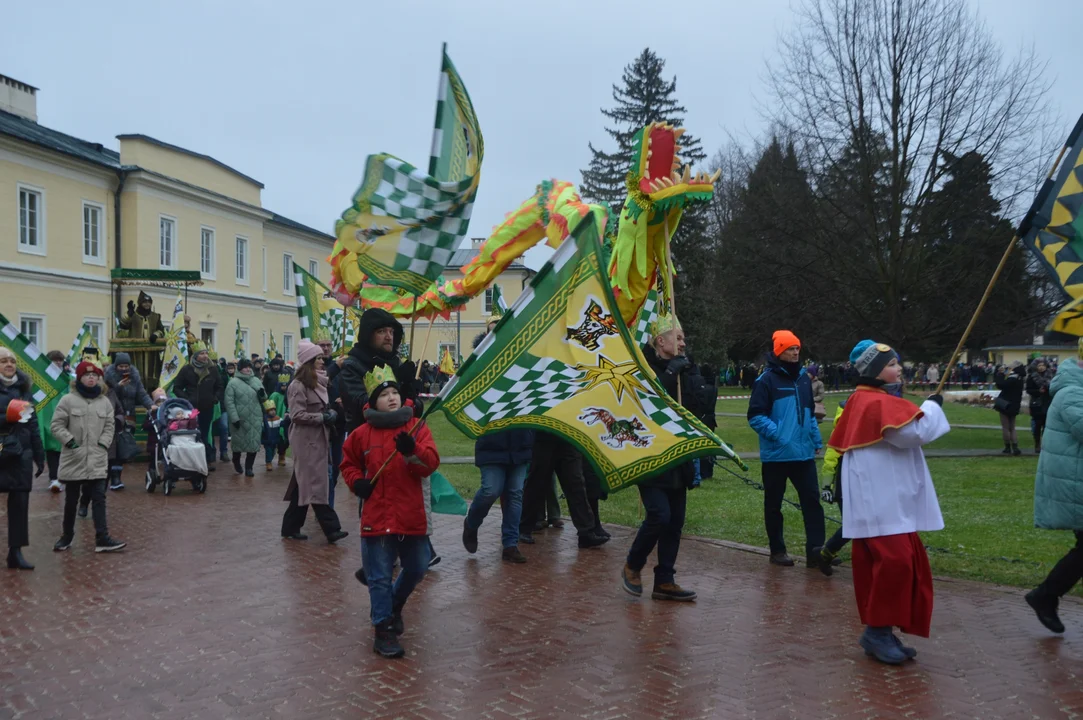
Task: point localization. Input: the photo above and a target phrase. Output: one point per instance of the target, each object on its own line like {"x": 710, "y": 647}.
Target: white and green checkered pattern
{"x": 82, "y": 340}
{"x": 531, "y": 386}
{"x": 647, "y": 315}
{"x": 333, "y": 320}
{"x": 666, "y": 416}
{"x": 46, "y": 379}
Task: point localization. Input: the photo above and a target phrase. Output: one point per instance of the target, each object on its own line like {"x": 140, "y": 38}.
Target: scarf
{"x": 202, "y": 369}
{"x": 9, "y": 381}
{"x": 321, "y": 386}
{"x": 383, "y": 419}
{"x": 88, "y": 393}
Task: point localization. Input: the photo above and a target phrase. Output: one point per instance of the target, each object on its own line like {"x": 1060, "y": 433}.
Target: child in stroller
{"x": 179, "y": 453}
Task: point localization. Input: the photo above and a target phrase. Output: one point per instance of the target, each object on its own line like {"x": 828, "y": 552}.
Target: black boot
{"x": 1016, "y": 450}
{"x": 397, "y": 625}
{"x": 16, "y": 561}
{"x": 1045, "y": 608}
{"x": 386, "y": 642}
{"x": 1007, "y": 449}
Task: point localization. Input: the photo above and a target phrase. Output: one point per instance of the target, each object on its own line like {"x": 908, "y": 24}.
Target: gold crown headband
{"x": 663, "y": 324}
{"x": 378, "y": 377}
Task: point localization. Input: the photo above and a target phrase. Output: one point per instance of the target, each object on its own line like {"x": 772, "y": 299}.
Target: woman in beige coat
{"x": 310, "y": 425}
{"x": 84, "y": 423}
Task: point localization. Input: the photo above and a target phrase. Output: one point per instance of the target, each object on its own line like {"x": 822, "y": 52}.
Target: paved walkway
{"x": 210, "y": 615}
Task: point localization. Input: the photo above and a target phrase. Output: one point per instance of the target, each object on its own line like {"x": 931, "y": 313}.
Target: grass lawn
{"x": 987, "y": 505}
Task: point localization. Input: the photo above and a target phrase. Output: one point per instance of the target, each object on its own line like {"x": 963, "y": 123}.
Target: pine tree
{"x": 644, "y": 97}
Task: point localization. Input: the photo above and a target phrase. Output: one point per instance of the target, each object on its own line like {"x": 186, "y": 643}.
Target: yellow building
{"x": 1012, "y": 354}
{"x": 72, "y": 210}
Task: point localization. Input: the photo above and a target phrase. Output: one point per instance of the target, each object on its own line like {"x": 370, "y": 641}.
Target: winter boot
{"x": 1046, "y": 610}
{"x": 397, "y": 625}
{"x": 470, "y": 538}
{"x": 16, "y": 561}
{"x": 512, "y": 555}
{"x": 1015, "y": 450}
{"x": 909, "y": 652}
{"x": 824, "y": 562}
{"x": 386, "y": 642}
{"x": 672, "y": 591}
{"x": 879, "y": 643}
{"x": 1007, "y": 449}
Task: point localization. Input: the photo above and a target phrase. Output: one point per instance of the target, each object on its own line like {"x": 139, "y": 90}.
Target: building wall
{"x": 193, "y": 170}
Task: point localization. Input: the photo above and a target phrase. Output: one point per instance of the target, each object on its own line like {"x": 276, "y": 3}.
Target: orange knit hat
{"x": 783, "y": 340}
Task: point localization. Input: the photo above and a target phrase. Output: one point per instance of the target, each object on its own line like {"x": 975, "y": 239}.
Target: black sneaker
{"x": 512, "y": 555}
{"x": 386, "y": 642}
{"x": 108, "y": 544}
{"x": 82, "y": 510}
{"x": 434, "y": 560}
{"x": 470, "y": 538}
{"x": 295, "y": 536}
{"x": 116, "y": 485}
{"x": 590, "y": 539}
{"x": 336, "y": 536}
{"x": 63, "y": 543}
{"x": 1046, "y": 610}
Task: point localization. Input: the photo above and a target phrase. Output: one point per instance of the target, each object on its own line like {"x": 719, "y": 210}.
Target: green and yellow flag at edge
{"x": 175, "y": 355}
{"x": 562, "y": 361}
{"x": 1053, "y": 231}
{"x": 272, "y": 347}
{"x": 320, "y": 315}
{"x": 447, "y": 363}
{"x": 83, "y": 340}
{"x": 238, "y": 342}
{"x": 46, "y": 379}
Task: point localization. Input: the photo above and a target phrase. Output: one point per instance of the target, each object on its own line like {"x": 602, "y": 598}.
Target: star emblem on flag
{"x": 620, "y": 377}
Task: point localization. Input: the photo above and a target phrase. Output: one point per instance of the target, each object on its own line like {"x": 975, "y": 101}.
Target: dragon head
{"x": 656, "y": 176}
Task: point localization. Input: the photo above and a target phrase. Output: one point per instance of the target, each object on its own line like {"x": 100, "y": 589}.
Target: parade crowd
{"x": 359, "y": 416}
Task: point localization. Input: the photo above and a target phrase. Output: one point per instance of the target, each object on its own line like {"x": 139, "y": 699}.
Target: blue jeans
{"x": 500, "y": 481}
{"x": 661, "y": 527}
{"x": 378, "y": 557}
{"x": 222, "y": 430}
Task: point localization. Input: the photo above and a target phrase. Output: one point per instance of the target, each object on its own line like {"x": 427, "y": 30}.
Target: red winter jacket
{"x": 396, "y": 505}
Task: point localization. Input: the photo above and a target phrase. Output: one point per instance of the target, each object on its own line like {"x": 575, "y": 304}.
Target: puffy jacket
{"x": 128, "y": 394}
{"x": 202, "y": 393}
{"x": 1011, "y": 389}
{"x": 1058, "y": 485}
{"x": 243, "y": 402}
{"x": 397, "y": 504}
{"x": 18, "y": 476}
{"x": 92, "y": 424}
{"x": 507, "y": 447}
{"x": 780, "y": 411}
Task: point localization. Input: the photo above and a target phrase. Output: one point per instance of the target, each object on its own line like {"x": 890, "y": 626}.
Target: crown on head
{"x": 663, "y": 324}
{"x": 378, "y": 377}
{"x": 320, "y": 334}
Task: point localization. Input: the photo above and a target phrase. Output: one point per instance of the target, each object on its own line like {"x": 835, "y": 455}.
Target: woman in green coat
{"x": 244, "y": 400}
{"x": 1058, "y": 489}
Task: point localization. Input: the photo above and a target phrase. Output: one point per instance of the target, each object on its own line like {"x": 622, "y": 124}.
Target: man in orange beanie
{"x": 781, "y": 412}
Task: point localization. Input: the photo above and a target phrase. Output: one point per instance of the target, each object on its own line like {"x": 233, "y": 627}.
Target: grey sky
{"x": 297, "y": 94}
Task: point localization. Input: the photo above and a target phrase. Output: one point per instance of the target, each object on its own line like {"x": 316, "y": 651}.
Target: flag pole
{"x": 1000, "y": 269}
{"x": 413, "y": 324}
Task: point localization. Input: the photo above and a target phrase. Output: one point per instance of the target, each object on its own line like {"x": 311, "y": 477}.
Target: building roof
{"x": 29, "y": 131}
{"x": 201, "y": 156}
{"x": 286, "y": 222}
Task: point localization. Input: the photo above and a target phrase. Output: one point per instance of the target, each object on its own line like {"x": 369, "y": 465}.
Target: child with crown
{"x": 383, "y": 463}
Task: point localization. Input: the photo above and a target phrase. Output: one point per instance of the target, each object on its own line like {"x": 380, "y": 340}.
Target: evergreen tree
{"x": 644, "y": 97}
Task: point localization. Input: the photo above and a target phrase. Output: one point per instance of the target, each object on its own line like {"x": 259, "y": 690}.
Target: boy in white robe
{"x": 888, "y": 497}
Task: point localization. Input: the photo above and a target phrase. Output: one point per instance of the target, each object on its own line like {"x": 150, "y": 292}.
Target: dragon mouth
{"x": 660, "y": 162}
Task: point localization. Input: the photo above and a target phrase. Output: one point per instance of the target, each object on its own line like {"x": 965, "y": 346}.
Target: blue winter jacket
{"x": 1058, "y": 486}
{"x": 780, "y": 412}
{"x": 507, "y": 447}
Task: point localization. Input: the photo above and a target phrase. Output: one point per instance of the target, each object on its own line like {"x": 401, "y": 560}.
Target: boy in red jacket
{"x": 393, "y": 520}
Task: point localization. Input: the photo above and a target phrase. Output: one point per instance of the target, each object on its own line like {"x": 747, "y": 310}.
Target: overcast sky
{"x": 297, "y": 94}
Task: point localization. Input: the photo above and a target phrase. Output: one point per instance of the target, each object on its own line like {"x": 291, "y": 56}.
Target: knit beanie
{"x": 244, "y": 363}
{"x": 869, "y": 358}
{"x": 123, "y": 358}
{"x": 783, "y": 340}
{"x": 307, "y": 350}
{"x": 87, "y": 367}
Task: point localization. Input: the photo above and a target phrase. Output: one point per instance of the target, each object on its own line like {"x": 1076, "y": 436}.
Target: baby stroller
{"x": 180, "y": 455}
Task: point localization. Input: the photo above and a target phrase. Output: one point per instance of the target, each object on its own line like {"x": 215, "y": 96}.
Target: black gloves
{"x": 828, "y": 494}
{"x": 131, "y": 307}
{"x": 937, "y": 398}
{"x": 419, "y": 408}
{"x": 678, "y": 365}
{"x": 405, "y": 444}
{"x": 407, "y": 372}
{"x": 363, "y": 488}
{"x": 154, "y": 337}
{"x": 41, "y": 467}
{"x": 71, "y": 444}
{"x": 330, "y": 417}
{"x": 236, "y": 424}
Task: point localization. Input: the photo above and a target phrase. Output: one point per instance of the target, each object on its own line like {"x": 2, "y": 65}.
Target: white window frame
{"x": 174, "y": 250}
{"x": 287, "y": 274}
{"x": 314, "y": 268}
{"x": 40, "y": 319}
{"x": 213, "y": 272}
{"x": 40, "y": 248}
{"x": 98, "y": 259}
{"x": 440, "y": 352}
{"x": 102, "y": 340}
{"x": 287, "y": 347}
{"x": 212, "y": 328}
{"x": 245, "y": 278}
{"x": 487, "y": 303}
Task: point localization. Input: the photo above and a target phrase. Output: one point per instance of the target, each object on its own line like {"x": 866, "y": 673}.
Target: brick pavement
{"x": 209, "y": 614}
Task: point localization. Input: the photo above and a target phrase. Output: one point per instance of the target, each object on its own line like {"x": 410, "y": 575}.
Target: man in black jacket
{"x": 664, "y": 496}
{"x": 379, "y": 336}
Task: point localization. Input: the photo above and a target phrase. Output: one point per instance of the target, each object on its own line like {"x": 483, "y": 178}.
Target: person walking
{"x": 1008, "y": 404}
{"x": 222, "y": 425}
{"x": 244, "y": 398}
{"x": 781, "y": 412}
{"x": 1037, "y": 387}
{"x": 664, "y": 496}
{"x": 503, "y": 458}
{"x": 199, "y": 383}
{"x": 550, "y": 454}
{"x": 1058, "y": 489}
{"x": 310, "y": 422}
{"x": 85, "y": 423}
{"x": 20, "y": 439}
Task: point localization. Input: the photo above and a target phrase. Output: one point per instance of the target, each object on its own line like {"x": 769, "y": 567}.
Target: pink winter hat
{"x": 307, "y": 350}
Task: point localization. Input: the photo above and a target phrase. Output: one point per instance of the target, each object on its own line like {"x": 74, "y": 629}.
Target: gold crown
{"x": 320, "y": 334}
{"x": 378, "y": 377}
{"x": 663, "y": 324}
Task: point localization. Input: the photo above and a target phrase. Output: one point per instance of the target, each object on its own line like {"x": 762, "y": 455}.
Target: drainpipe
{"x": 122, "y": 175}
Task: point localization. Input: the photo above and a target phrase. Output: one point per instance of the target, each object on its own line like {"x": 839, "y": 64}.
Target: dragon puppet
{"x": 658, "y": 193}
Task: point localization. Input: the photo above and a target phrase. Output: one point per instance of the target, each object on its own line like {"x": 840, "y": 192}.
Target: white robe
{"x": 886, "y": 487}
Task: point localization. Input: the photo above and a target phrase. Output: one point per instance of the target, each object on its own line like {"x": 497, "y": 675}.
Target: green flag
{"x": 238, "y": 342}
{"x": 83, "y": 340}
{"x": 320, "y": 315}
{"x": 562, "y": 361}
{"x": 47, "y": 380}
{"x": 272, "y": 348}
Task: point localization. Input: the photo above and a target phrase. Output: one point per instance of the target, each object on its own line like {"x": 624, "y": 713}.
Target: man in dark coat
{"x": 143, "y": 323}
{"x": 664, "y": 495}
{"x": 379, "y": 336}
{"x": 277, "y": 377}
{"x": 16, "y": 475}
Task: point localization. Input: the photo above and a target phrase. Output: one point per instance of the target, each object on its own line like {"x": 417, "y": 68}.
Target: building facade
{"x": 73, "y": 210}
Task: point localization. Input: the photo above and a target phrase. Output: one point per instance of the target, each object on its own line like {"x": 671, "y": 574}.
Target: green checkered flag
{"x": 47, "y": 380}
{"x": 83, "y": 340}
{"x": 647, "y": 315}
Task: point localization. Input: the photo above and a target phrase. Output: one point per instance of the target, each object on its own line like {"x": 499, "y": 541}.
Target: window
{"x": 206, "y": 252}
{"x": 314, "y": 269}
{"x": 242, "y": 260}
{"x": 93, "y": 239}
{"x": 487, "y": 308}
{"x": 167, "y": 242}
{"x": 287, "y": 274}
{"x": 33, "y": 327}
{"x": 97, "y": 330}
{"x": 287, "y": 347}
{"x": 206, "y": 335}
{"x": 31, "y": 220}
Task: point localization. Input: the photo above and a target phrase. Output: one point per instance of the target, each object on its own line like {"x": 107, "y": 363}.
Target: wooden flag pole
{"x": 413, "y": 323}
{"x": 992, "y": 282}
